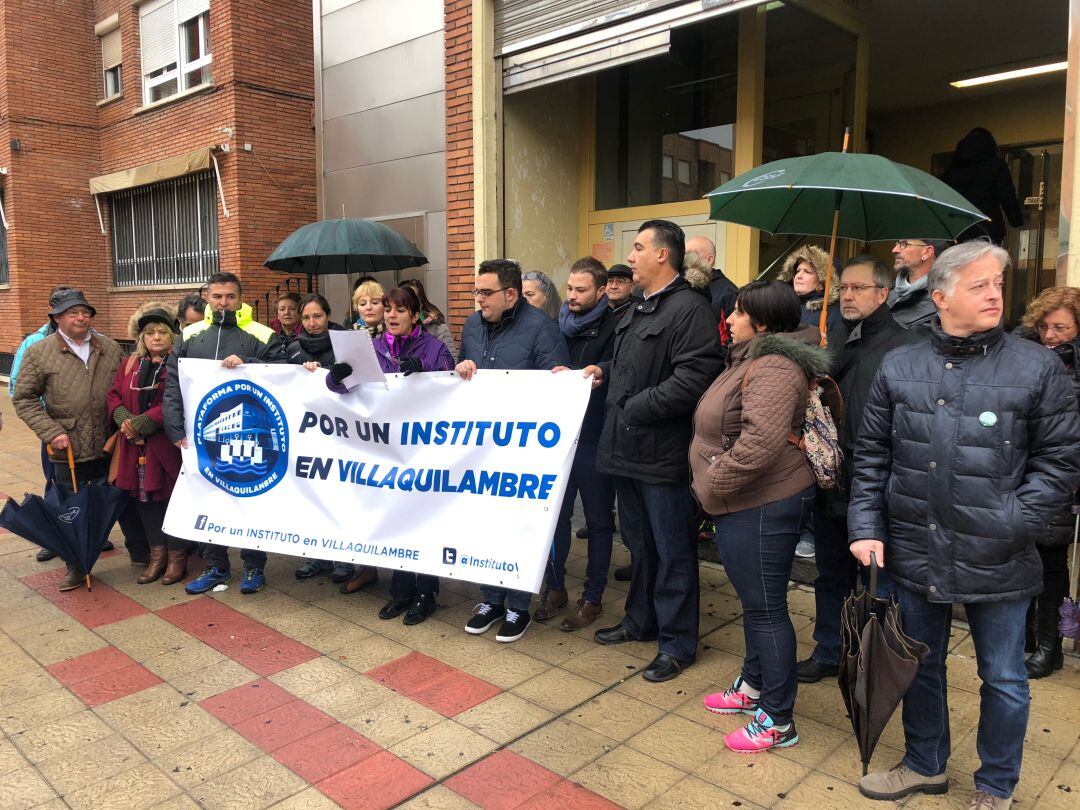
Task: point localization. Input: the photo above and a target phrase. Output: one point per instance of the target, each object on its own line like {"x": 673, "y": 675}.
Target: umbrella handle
{"x": 873, "y": 575}
{"x": 71, "y": 467}
{"x": 1074, "y": 586}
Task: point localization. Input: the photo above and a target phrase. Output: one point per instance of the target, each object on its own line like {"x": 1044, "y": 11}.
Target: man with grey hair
{"x": 910, "y": 298}
{"x": 968, "y": 443}
{"x": 867, "y": 333}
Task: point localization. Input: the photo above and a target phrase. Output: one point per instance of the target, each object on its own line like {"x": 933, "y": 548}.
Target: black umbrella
{"x": 878, "y": 662}
{"x": 74, "y": 527}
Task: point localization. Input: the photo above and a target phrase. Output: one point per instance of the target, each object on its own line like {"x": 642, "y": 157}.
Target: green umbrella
{"x": 864, "y": 197}
{"x": 336, "y": 246}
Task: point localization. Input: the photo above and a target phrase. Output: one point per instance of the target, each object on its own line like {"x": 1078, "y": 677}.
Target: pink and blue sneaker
{"x": 761, "y": 734}
{"x": 731, "y": 701}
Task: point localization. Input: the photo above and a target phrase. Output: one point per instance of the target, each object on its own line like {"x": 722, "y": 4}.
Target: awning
{"x": 167, "y": 169}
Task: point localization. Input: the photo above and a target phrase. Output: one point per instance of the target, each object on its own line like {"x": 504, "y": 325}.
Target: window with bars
{"x": 165, "y": 233}
{"x": 4, "y": 276}
{"x": 175, "y": 46}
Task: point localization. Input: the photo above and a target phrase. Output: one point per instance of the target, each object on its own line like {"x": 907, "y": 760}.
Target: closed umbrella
{"x": 1070, "y": 607}
{"x": 841, "y": 194}
{"x": 878, "y": 662}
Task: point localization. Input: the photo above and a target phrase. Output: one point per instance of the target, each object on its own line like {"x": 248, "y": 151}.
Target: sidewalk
{"x": 299, "y": 697}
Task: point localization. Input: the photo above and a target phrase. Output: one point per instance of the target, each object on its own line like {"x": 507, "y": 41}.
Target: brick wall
{"x": 460, "y": 269}
{"x": 50, "y": 75}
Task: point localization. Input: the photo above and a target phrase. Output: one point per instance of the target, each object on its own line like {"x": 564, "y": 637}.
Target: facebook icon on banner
{"x": 200, "y": 522}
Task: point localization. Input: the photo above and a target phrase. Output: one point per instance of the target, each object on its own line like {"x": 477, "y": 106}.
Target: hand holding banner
{"x": 430, "y": 474}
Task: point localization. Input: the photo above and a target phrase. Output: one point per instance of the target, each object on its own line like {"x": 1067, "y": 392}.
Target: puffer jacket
{"x": 40, "y": 333}
{"x": 215, "y": 337}
{"x": 741, "y": 456}
{"x": 57, "y": 394}
{"x": 968, "y": 448}
{"x": 667, "y": 352}
{"x": 524, "y": 339}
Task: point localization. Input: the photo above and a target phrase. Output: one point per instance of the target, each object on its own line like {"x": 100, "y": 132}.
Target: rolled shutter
{"x": 110, "y": 49}
{"x": 186, "y": 9}
{"x": 157, "y": 24}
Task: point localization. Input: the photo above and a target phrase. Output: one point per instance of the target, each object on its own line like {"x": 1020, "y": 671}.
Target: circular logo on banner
{"x": 763, "y": 178}
{"x": 241, "y": 439}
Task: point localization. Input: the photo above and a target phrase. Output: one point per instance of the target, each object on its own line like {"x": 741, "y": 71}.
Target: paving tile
{"x": 189, "y": 658}
{"x": 345, "y": 699}
{"x": 1063, "y": 790}
{"x": 614, "y": 715}
{"x": 312, "y": 676}
{"x": 438, "y": 797}
{"x": 569, "y": 794}
{"x": 246, "y": 701}
{"x": 504, "y": 717}
{"x": 141, "y": 786}
{"x": 506, "y": 668}
{"x": 677, "y": 741}
{"x": 142, "y": 708}
{"x": 380, "y": 781}
{"x": 822, "y": 790}
{"x": 502, "y": 781}
{"x": 54, "y": 641}
{"x": 310, "y": 799}
{"x": 563, "y": 746}
{"x": 94, "y": 608}
{"x": 1036, "y": 770}
{"x": 554, "y": 646}
{"x": 84, "y": 766}
{"x": 604, "y": 665}
{"x": 761, "y": 779}
{"x": 25, "y": 788}
{"x": 374, "y": 652}
{"x": 557, "y": 690}
{"x": 410, "y": 673}
{"x": 60, "y": 736}
{"x": 10, "y": 758}
{"x": 282, "y": 725}
{"x": 394, "y": 720}
{"x": 443, "y": 749}
{"x": 256, "y": 784}
{"x": 200, "y": 761}
{"x": 169, "y": 732}
{"x": 103, "y": 675}
{"x": 90, "y": 665}
{"x": 213, "y": 680}
{"x": 692, "y": 793}
{"x": 50, "y": 705}
{"x": 326, "y": 752}
{"x": 628, "y": 777}
{"x": 455, "y": 693}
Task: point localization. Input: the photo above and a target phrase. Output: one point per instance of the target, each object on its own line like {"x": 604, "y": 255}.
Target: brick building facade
{"x": 460, "y": 251}
{"x": 249, "y": 64}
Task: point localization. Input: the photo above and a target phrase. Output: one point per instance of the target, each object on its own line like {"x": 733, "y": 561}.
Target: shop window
{"x": 111, "y": 68}
{"x": 175, "y": 40}
{"x": 4, "y": 274}
{"x": 165, "y": 233}
{"x": 660, "y": 120}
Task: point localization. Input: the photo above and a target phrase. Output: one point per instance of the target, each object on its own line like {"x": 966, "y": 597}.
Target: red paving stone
{"x": 282, "y": 725}
{"x": 247, "y": 701}
{"x": 438, "y": 686}
{"x": 569, "y": 794}
{"x": 103, "y": 675}
{"x": 261, "y": 649}
{"x": 503, "y": 781}
{"x": 95, "y": 608}
{"x": 380, "y": 781}
{"x": 326, "y": 752}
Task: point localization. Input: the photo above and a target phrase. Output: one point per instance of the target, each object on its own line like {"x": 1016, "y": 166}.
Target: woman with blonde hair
{"x": 1053, "y": 320}
{"x": 805, "y": 269}
{"x": 146, "y": 463}
{"x": 367, "y": 300}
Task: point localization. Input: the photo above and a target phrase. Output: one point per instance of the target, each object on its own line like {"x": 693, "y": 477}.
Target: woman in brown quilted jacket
{"x": 750, "y": 475}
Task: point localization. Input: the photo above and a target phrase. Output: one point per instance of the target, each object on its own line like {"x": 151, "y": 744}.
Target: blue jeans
{"x": 597, "y": 500}
{"x": 515, "y": 600}
{"x": 757, "y": 546}
{"x": 658, "y": 524}
{"x": 837, "y": 569}
{"x": 997, "y": 629}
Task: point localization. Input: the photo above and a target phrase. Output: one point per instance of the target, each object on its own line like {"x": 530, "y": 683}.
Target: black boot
{"x": 1047, "y": 656}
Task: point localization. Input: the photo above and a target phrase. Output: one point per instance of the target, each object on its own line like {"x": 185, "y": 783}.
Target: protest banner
{"x": 430, "y": 474}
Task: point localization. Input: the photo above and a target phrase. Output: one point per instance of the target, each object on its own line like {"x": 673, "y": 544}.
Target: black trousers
{"x": 407, "y": 585}
{"x": 152, "y": 515}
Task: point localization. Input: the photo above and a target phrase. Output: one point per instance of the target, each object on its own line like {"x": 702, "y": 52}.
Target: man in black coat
{"x": 588, "y": 325}
{"x": 667, "y": 352}
{"x": 867, "y": 333}
{"x": 722, "y": 290}
{"x": 967, "y": 450}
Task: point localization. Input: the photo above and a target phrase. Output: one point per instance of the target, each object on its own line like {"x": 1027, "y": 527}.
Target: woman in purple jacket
{"x": 403, "y": 348}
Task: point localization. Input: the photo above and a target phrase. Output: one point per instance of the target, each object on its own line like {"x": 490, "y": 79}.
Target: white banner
{"x": 432, "y": 474}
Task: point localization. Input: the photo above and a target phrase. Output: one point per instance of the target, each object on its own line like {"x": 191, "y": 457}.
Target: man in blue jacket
{"x": 506, "y": 333}
{"x": 968, "y": 447}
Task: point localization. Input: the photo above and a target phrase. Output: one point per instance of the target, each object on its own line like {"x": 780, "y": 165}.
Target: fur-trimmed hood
{"x": 799, "y": 346}
{"x": 133, "y": 322}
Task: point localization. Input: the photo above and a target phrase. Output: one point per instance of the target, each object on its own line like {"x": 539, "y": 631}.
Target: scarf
{"x": 573, "y": 324}
{"x": 314, "y": 345}
{"x": 397, "y": 345}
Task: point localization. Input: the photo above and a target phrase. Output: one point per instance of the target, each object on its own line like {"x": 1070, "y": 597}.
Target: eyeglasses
{"x": 159, "y": 367}
{"x": 488, "y": 293}
{"x": 857, "y": 288}
{"x": 904, "y": 244}
{"x": 77, "y": 312}
{"x": 1056, "y": 328}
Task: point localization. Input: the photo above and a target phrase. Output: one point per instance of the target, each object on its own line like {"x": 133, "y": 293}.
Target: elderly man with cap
{"x": 61, "y": 395}
{"x": 619, "y": 287}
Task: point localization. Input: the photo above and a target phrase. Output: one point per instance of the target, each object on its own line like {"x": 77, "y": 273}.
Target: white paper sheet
{"x": 353, "y": 346}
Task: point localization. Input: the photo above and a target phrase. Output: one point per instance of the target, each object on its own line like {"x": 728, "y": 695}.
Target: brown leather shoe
{"x": 176, "y": 570}
{"x": 74, "y": 579}
{"x": 365, "y": 575}
{"x": 586, "y": 614}
{"x": 155, "y": 568}
{"x": 550, "y": 603}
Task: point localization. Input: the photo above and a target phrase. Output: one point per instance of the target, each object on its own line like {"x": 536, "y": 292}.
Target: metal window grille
{"x": 4, "y": 277}
{"x": 165, "y": 233}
